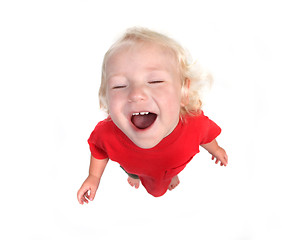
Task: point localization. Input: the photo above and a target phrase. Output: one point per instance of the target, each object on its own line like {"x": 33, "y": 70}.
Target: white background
{"x": 50, "y": 60}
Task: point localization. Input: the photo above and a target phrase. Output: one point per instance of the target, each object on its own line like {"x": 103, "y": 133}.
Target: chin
{"x": 146, "y": 144}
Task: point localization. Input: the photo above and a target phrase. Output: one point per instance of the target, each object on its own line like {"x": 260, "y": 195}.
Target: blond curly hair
{"x": 193, "y": 77}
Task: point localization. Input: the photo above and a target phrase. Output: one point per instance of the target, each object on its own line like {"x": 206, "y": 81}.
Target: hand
{"x": 220, "y": 156}
{"x": 88, "y": 189}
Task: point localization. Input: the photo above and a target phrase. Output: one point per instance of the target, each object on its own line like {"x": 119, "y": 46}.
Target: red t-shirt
{"x": 158, "y": 165}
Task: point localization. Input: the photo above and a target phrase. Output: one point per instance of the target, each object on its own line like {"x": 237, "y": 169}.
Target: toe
{"x": 130, "y": 183}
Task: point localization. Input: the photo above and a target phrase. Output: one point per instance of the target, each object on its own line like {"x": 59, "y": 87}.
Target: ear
{"x": 184, "y": 91}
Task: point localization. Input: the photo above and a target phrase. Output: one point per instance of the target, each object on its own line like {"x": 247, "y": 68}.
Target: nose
{"x": 137, "y": 93}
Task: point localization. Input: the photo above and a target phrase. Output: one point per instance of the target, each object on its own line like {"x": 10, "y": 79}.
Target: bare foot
{"x": 174, "y": 183}
{"x": 134, "y": 182}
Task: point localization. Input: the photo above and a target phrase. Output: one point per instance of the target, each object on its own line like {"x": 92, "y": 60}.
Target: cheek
{"x": 170, "y": 98}
{"x": 115, "y": 102}
{"x": 111, "y": 103}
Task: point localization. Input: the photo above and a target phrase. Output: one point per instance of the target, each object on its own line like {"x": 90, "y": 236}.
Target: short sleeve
{"x": 95, "y": 142}
{"x": 209, "y": 130}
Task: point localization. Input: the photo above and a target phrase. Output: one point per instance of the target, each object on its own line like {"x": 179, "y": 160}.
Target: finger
{"x": 80, "y": 201}
{"x": 222, "y": 162}
{"x": 212, "y": 157}
{"x": 87, "y": 195}
{"x": 225, "y": 161}
{"x": 84, "y": 199}
{"x": 226, "y": 158}
{"x": 92, "y": 194}
{"x": 79, "y": 197}
{"x": 81, "y": 193}
{"x": 216, "y": 162}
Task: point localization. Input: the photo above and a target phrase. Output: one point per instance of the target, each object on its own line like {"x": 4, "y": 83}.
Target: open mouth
{"x": 143, "y": 120}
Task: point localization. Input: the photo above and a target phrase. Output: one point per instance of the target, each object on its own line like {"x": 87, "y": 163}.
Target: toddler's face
{"x": 143, "y": 92}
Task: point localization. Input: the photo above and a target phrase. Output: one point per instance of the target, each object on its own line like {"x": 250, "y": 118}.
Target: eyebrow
{"x": 155, "y": 69}
{"x": 148, "y": 69}
{"x": 115, "y": 75}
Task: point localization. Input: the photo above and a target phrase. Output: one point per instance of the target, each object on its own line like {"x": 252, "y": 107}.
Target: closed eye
{"x": 119, "y": 86}
{"x": 156, "y": 81}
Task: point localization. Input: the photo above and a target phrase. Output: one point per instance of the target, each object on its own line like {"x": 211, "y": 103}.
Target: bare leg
{"x": 134, "y": 182}
{"x": 174, "y": 183}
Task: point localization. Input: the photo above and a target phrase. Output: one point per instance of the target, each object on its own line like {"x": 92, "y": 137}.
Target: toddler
{"x": 155, "y": 124}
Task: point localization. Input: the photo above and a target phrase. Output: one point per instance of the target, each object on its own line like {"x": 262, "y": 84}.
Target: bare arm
{"x": 91, "y": 184}
{"x": 217, "y": 152}
{"x": 97, "y": 166}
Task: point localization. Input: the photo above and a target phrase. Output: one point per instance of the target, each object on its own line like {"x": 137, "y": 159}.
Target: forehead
{"x": 140, "y": 55}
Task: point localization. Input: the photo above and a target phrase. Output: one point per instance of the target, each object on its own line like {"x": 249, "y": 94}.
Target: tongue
{"x": 143, "y": 121}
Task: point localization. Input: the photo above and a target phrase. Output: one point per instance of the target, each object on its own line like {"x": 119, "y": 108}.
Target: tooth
{"x": 143, "y": 113}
